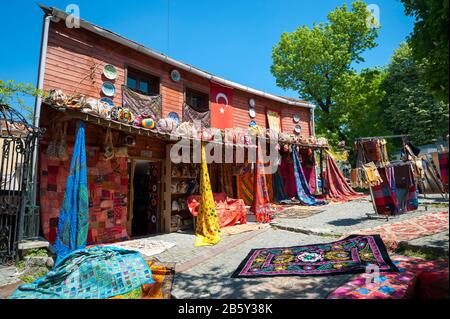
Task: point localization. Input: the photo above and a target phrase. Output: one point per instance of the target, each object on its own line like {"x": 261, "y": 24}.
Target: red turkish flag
{"x": 221, "y": 105}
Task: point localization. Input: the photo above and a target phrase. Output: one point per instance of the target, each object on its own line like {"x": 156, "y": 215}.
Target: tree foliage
{"x": 429, "y": 43}
{"x": 317, "y": 62}
{"x": 408, "y": 107}
{"x": 12, "y": 93}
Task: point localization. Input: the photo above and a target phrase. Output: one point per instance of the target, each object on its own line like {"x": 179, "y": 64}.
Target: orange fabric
{"x": 230, "y": 211}
{"x": 163, "y": 274}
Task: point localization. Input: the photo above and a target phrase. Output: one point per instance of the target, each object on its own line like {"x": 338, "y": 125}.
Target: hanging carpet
{"x": 443, "y": 166}
{"x": 338, "y": 189}
{"x": 141, "y": 104}
{"x": 303, "y": 191}
{"x": 261, "y": 200}
{"x": 192, "y": 115}
{"x": 350, "y": 255}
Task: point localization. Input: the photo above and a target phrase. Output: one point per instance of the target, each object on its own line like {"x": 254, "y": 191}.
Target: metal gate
{"x": 19, "y": 218}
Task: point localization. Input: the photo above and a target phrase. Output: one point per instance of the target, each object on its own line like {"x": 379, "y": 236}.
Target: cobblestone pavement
{"x": 347, "y": 217}
{"x": 437, "y": 241}
{"x": 7, "y": 275}
{"x": 211, "y": 279}
{"x": 204, "y": 272}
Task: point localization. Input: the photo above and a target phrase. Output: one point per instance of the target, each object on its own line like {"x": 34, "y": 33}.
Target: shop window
{"x": 142, "y": 82}
{"x": 197, "y": 100}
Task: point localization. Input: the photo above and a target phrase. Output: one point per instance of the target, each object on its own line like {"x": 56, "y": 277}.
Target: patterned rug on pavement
{"x": 146, "y": 246}
{"x": 399, "y": 285}
{"x": 421, "y": 226}
{"x": 350, "y": 255}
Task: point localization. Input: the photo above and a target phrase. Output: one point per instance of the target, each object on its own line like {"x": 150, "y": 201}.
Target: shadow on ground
{"x": 210, "y": 285}
{"x": 348, "y": 221}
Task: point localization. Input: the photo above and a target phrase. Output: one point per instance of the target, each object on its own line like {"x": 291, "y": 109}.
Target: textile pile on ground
{"x": 410, "y": 229}
{"x": 230, "y": 211}
{"x": 349, "y": 255}
{"x": 417, "y": 278}
{"x": 96, "y": 273}
{"x": 163, "y": 275}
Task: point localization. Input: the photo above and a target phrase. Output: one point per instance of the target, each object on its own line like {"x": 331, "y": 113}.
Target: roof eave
{"x": 164, "y": 58}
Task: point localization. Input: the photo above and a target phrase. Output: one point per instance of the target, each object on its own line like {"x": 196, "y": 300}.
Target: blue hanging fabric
{"x": 303, "y": 192}
{"x": 74, "y": 214}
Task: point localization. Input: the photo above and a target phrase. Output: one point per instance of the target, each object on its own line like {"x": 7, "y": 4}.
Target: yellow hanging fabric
{"x": 207, "y": 230}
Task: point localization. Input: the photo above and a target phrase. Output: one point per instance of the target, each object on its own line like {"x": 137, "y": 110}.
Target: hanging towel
{"x": 74, "y": 215}
{"x": 261, "y": 202}
{"x": 303, "y": 191}
{"x": 207, "y": 231}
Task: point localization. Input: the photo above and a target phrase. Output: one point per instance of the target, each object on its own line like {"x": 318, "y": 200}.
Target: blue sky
{"x": 232, "y": 38}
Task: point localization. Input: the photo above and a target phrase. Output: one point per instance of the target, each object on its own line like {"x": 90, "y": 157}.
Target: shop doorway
{"x": 146, "y": 198}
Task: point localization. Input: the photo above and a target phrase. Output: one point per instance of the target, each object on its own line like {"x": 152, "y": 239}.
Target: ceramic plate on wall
{"x": 110, "y": 72}
{"x": 297, "y": 129}
{"x": 107, "y": 100}
{"x": 174, "y": 117}
{"x": 108, "y": 89}
{"x": 252, "y": 124}
{"x": 296, "y": 118}
{"x": 252, "y": 112}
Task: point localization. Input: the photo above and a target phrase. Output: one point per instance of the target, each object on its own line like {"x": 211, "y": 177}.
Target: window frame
{"x": 153, "y": 81}
{"x": 206, "y": 96}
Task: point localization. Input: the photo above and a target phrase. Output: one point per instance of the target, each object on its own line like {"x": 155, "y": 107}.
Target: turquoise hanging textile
{"x": 74, "y": 215}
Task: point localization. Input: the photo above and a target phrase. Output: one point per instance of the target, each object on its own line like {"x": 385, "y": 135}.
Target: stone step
{"x": 34, "y": 244}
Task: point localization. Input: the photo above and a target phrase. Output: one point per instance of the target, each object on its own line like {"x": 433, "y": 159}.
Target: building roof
{"x": 57, "y": 13}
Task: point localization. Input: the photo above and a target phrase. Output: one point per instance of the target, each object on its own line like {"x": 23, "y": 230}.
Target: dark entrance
{"x": 146, "y": 201}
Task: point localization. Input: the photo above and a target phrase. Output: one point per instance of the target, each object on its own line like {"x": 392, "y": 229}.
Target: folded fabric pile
{"x": 163, "y": 275}
{"x": 95, "y": 273}
{"x": 230, "y": 211}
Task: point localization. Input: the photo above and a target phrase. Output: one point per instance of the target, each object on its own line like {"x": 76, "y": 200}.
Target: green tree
{"x": 408, "y": 107}
{"x": 316, "y": 62}
{"x": 12, "y": 93}
{"x": 429, "y": 42}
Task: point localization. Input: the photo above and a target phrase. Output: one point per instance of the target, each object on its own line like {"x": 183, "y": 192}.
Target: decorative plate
{"x": 252, "y": 112}
{"x": 174, "y": 117}
{"x": 297, "y": 129}
{"x": 110, "y": 72}
{"x": 153, "y": 219}
{"x": 252, "y": 102}
{"x": 175, "y": 75}
{"x": 107, "y": 100}
{"x": 252, "y": 124}
{"x": 296, "y": 118}
{"x": 108, "y": 89}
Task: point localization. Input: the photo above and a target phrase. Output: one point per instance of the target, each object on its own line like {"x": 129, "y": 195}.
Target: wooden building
{"x": 72, "y": 60}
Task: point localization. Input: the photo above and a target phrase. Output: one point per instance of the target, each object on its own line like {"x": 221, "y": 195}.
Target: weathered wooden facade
{"x": 74, "y": 60}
